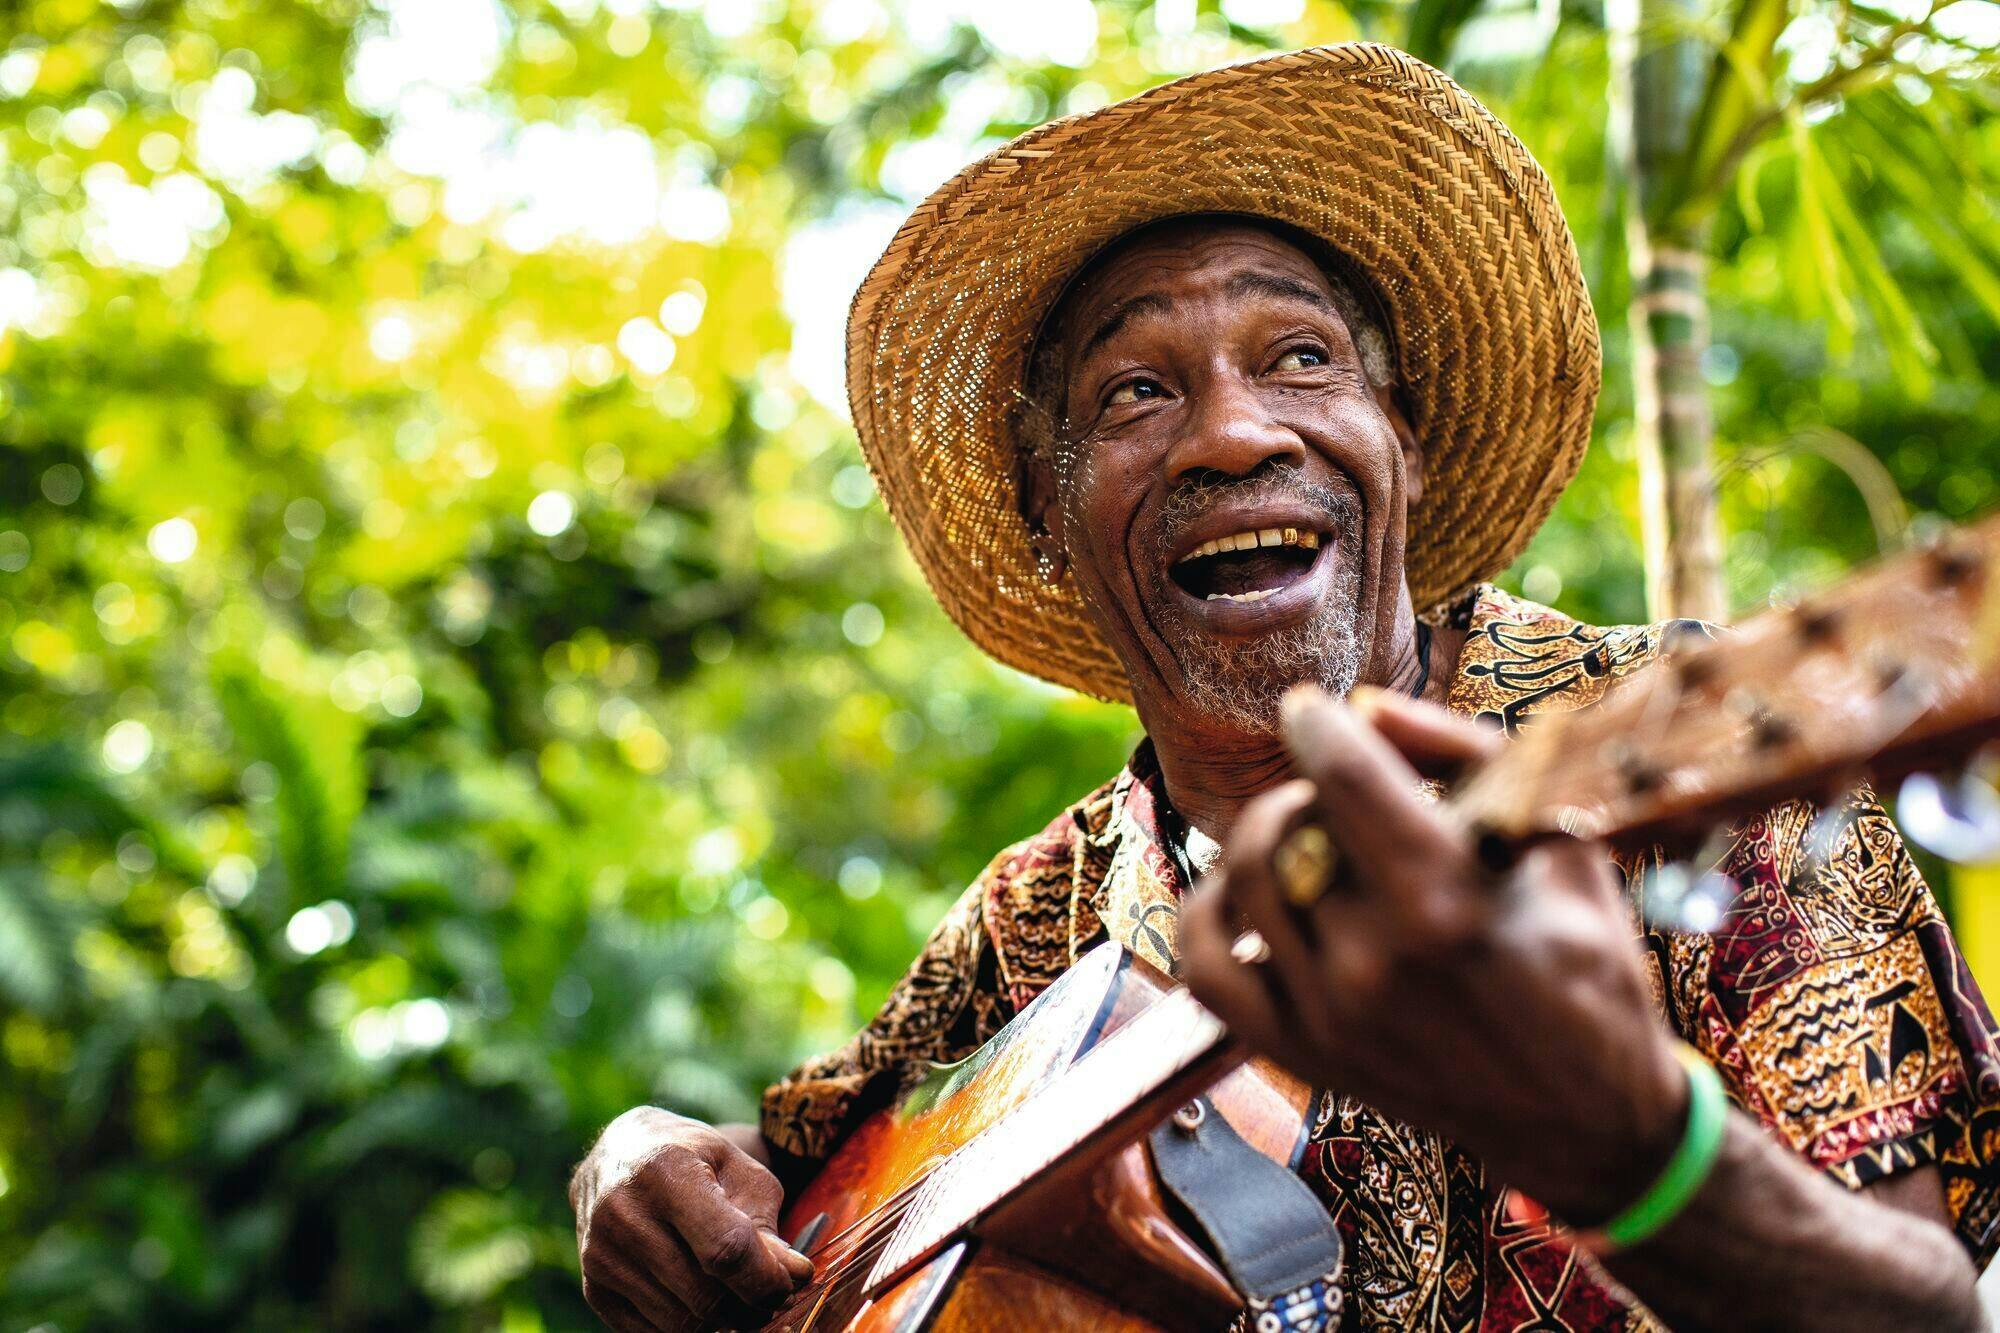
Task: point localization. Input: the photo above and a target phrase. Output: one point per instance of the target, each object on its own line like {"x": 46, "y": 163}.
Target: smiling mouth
{"x": 1247, "y": 566}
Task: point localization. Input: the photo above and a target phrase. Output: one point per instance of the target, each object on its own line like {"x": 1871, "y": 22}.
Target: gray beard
{"x": 1244, "y": 686}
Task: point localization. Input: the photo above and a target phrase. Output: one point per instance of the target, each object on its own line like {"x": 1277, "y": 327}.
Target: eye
{"x": 1300, "y": 358}
{"x": 1135, "y": 391}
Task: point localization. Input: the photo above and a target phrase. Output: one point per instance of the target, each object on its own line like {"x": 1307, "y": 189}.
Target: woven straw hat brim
{"x": 1381, "y": 157}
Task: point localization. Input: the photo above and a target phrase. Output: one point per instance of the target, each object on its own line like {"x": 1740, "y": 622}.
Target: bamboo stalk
{"x": 1658, "y": 89}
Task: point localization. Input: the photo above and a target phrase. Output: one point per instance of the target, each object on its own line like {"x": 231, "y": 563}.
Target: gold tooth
{"x": 1245, "y": 541}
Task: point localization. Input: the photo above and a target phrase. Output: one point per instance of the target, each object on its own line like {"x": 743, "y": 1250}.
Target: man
{"x": 1193, "y": 401}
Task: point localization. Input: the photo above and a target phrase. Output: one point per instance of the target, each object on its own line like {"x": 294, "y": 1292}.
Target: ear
{"x": 1389, "y": 398}
{"x": 1041, "y": 510}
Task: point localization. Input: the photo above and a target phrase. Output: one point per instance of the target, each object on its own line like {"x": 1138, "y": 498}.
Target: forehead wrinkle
{"x": 1146, "y": 303}
{"x": 1255, "y": 282}
{"x": 1279, "y": 286}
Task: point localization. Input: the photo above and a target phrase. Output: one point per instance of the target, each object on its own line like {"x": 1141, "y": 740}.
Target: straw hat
{"x": 1375, "y": 153}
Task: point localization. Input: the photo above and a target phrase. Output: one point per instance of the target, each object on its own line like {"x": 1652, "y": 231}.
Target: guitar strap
{"x": 1273, "y": 1237}
{"x": 1267, "y": 1229}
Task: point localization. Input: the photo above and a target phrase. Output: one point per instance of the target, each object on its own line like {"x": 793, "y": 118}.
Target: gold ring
{"x": 1304, "y": 863}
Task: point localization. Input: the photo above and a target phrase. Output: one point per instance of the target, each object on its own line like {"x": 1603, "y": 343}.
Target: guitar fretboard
{"x": 1119, "y": 1072}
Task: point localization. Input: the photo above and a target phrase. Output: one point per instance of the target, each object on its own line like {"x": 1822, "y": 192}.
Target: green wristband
{"x": 1701, "y": 1143}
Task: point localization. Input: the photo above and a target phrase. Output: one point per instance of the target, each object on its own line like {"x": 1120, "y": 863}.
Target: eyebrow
{"x": 1148, "y": 303}
{"x": 1281, "y": 286}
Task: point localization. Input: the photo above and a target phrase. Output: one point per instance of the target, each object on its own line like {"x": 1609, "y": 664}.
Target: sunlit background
{"x": 456, "y": 678}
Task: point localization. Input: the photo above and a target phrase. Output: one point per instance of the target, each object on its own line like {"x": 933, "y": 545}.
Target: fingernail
{"x": 1365, "y": 699}
{"x": 1299, "y": 698}
{"x": 1312, "y": 717}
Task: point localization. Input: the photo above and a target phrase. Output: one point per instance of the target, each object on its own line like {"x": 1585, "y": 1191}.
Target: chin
{"x": 1241, "y": 684}
{"x": 1236, "y": 679}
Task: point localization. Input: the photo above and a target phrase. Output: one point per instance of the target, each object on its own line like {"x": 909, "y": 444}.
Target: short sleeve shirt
{"x": 1830, "y": 996}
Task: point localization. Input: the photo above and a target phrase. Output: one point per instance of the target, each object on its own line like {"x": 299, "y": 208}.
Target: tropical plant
{"x": 1846, "y": 97}
{"x": 456, "y": 680}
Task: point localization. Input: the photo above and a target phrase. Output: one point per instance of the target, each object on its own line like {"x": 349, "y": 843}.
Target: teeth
{"x": 1254, "y": 595}
{"x": 1245, "y": 541}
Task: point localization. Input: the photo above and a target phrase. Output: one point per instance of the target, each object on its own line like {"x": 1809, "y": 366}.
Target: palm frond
{"x": 1937, "y": 198}
{"x": 313, "y": 750}
{"x": 468, "y": 1246}
{"x": 1822, "y": 244}
{"x": 38, "y": 970}
{"x": 1737, "y": 86}
{"x": 1854, "y": 249}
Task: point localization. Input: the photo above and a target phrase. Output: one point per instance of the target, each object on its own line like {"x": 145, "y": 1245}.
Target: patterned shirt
{"x": 1830, "y": 996}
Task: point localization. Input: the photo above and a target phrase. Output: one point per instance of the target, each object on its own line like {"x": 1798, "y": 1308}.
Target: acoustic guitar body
{"x": 1086, "y": 1241}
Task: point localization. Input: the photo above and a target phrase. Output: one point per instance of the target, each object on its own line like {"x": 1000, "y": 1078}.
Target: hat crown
{"x": 1378, "y": 156}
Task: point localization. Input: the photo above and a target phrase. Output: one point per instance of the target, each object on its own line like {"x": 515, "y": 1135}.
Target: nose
{"x": 1231, "y": 433}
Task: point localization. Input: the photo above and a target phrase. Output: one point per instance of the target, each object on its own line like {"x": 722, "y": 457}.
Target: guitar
{"x": 1013, "y": 1190}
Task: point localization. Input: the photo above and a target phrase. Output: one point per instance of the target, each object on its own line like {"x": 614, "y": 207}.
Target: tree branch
{"x": 1876, "y": 62}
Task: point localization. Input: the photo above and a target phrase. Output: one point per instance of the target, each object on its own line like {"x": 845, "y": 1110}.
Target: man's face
{"x": 1231, "y": 490}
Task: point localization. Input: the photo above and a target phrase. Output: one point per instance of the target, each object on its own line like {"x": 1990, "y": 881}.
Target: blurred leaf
{"x": 1821, "y": 234}
{"x": 468, "y": 1246}
{"x": 311, "y": 751}
{"x": 1434, "y": 26}
{"x": 1903, "y": 337}
{"x": 432, "y": 1122}
{"x": 37, "y": 935}
{"x": 457, "y": 679}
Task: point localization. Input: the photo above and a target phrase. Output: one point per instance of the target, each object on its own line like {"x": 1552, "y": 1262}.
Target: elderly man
{"x": 1201, "y": 398}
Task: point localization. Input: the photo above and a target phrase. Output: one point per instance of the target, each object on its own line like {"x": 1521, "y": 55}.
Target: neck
{"x": 1212, "y": 771}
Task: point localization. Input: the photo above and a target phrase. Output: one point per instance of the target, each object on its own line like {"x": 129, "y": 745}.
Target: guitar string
{"x": 881, "y": 1222}
{"x": 870, "y": 1231}
{"x": 858, "y": 1260}
{"x": 1089, "y": 1077}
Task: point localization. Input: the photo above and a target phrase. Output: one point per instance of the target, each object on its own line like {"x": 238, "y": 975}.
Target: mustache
{"x": 1195, "y": 498}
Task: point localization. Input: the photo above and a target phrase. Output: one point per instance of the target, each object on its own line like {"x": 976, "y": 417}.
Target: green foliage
{"x": 455, "y": 678}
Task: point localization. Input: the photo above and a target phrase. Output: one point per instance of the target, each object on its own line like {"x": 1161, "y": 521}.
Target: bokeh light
{"x": 458, "y": 678}
{"x": 172, "y": 541}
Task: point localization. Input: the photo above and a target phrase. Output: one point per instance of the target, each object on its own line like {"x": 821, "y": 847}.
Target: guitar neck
{"x": 1116, "y": 1091}
{"x": 1894, "y": 670}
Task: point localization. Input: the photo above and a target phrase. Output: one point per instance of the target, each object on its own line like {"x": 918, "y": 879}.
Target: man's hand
{"x": 1509, "y": 1013}
{"x": 677, "y": 1227}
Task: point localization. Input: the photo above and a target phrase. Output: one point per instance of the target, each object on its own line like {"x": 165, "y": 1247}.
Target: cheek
{"x": 1098, "y": 503}
{"x": 1354, "y": 436}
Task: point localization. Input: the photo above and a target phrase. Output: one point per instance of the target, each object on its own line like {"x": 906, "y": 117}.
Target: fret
{"x": 1056, "y": 1120}
{"x": 1892, "y": 671}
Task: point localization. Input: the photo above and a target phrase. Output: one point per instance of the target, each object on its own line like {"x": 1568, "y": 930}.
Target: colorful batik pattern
{"x": 1830, "y": 996}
